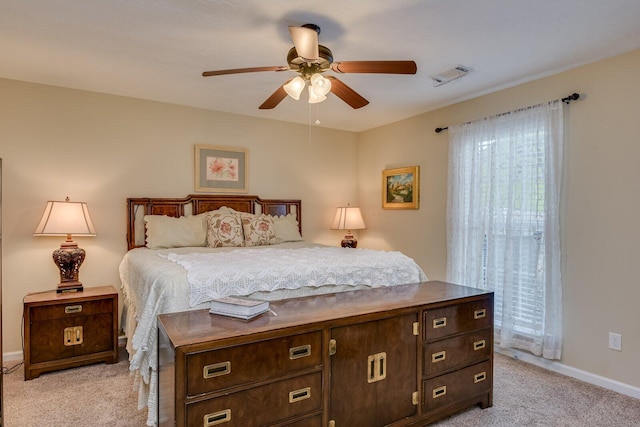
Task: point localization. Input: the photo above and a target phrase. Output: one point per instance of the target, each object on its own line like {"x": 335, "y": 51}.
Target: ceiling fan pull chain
{"x": 317, "y": 115}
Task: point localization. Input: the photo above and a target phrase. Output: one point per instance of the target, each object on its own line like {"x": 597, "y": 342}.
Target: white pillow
{"x": 169, "y": 232}
{"x": 286, "y": 229}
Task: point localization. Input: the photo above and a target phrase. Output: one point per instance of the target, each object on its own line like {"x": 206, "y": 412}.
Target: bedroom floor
{"x": 94, "y": 395}
{"x": 524, "y": 395}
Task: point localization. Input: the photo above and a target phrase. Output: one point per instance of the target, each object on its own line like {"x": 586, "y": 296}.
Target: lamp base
{"x": 68, "y": 258}
{"x": 69, "y": 287}
{"x": 349, "y": 241}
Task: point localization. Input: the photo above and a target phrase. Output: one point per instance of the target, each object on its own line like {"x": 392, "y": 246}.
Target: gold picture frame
{"x": 401, "y": 188}
{"x": 221, "y": 169}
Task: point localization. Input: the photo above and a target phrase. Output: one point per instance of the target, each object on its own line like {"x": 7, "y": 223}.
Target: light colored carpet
{"x": 524, "y": 395}
{"x": 94, "y": 395}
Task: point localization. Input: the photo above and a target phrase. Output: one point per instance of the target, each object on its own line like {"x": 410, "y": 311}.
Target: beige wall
{"x": 99, "y": 148}
{"x": 601, "y": 201}
{"x": 102, "y": 149}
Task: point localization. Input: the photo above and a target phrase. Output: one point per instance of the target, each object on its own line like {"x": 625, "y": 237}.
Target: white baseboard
{"x": 569, "y": 371}
{"x": 12, "y": 356}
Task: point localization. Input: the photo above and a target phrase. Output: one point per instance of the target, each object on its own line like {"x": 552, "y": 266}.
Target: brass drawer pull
{"x": 479, "y": 314}
{"x": 216, "y": 370}
{"x": 71, "y": 309}
{"x": 73, "y": 335}
{"x": 479, "y": 377}
{"x": 300, "y": 351}
{"x": 439, "y": 323}
{"x": 298, "y": 395}
{"x": 479, "y": 345}
{"x": 438, "y": 357}
{"x": 439, "y": 392}
{"x": 376, "y": 367}
{"x": 217, "y": 418}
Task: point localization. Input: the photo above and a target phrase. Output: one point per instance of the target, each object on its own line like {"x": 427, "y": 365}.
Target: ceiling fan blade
{"x": 243, "y": 70}
{"x": 275, "y": 98}
{"x": 347, "y": 94}
{"x": 383, "y": 67}
{"x": 305, "y": 41}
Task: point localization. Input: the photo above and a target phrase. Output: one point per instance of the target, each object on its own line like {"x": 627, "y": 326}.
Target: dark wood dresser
{"x": 402, "y": 356}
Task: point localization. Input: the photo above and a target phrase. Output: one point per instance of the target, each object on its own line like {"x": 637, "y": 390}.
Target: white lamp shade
{"x": 313, "y": 98}
{"x": 320, "y": 85}
{"x": 294, "y": 87}
{"x": 348, "y": 218}
{"x": 65, "y": 218}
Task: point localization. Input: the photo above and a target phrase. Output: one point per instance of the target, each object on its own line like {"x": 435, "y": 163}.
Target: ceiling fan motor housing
{"x": 306, "y": 67}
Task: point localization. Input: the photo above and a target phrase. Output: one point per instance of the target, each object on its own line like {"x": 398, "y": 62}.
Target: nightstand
{"x": 66, "y": 330}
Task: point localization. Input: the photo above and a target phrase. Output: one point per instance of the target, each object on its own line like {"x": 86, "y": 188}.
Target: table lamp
{"x": 65, "y": 218}
{"x": 348, "y": 218}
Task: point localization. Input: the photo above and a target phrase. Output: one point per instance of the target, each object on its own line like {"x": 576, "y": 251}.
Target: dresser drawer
{"x": 71, "y": 309}
{"x": 451, "y": 353}
{"x": 260, "y": 361}
{"x": 273, "y": 402}
{"x": 457, "y": 319}
{"x": 457, "y": 386}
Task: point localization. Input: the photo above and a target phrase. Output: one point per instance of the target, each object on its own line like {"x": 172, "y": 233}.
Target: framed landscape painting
{"x": 221, "y": 169}
{"x": 401, "y": 188}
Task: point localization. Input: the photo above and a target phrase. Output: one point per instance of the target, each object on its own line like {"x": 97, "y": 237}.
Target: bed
{"x": 184, "y": 252}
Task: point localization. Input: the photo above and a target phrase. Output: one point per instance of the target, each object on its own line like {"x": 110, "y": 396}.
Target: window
{"x": 503, "y": 221}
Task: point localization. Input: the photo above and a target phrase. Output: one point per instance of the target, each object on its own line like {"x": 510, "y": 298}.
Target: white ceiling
{"x": 157, "y": 49}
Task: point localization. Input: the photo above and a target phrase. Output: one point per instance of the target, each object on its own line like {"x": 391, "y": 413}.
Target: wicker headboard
{"x": 195, "y": 204}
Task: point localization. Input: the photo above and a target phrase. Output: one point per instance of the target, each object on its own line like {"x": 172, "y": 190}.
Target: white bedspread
{"x": 245, "y": 271}
{"x": 170, "y": 280}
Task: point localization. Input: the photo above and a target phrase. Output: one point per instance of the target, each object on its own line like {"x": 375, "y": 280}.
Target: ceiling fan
{"x": 310, "y": 60}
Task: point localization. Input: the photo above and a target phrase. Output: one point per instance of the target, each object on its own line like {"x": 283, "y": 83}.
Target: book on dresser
{"x": 239, "y": 306}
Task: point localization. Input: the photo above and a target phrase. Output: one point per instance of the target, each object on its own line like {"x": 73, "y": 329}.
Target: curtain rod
{"x": 574, "y": 96}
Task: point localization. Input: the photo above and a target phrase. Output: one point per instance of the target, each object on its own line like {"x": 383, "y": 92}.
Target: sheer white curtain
{"x": 503, "y": 231}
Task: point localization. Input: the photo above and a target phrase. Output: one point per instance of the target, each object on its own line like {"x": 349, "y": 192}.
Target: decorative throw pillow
{"x": 224, "y": 229}
{"x": 286, "y": 228}
{"x": 258, "y": 230}
{"x": 168, "y": 232}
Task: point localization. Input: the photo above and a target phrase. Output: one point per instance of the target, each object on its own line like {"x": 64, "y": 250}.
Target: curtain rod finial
{"x": 571, "y": 97}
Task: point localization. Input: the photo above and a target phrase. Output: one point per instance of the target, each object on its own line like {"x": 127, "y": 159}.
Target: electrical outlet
{"x": 615, "y": 341}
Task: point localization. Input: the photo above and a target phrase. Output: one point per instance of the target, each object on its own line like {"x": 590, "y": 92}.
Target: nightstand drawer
{"x": 446, "y": 354}
{"x": 274, "y": 402}
{"x": 446, "y": 321}
{"x": 71, "y": 309}
{"x": 49, "y": 340}
{"x": 250, "y": 363}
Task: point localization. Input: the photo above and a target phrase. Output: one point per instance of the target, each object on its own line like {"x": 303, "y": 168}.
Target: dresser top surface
{"x": 198, "y": 326}
{"x": 53, "y": 297}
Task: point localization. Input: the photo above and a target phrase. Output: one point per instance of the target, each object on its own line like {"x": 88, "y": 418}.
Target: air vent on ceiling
{"x": 450, "y": 75}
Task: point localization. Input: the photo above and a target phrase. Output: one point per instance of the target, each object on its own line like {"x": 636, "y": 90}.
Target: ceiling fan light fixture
{"x": 320, "y": 85}
{"x": 313, "y": 98}
{"x": 294, "y": 87}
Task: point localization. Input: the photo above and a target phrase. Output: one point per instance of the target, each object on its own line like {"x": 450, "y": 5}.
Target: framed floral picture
{"x": 401, "y": 188}
{"x": 221, "y": 169}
